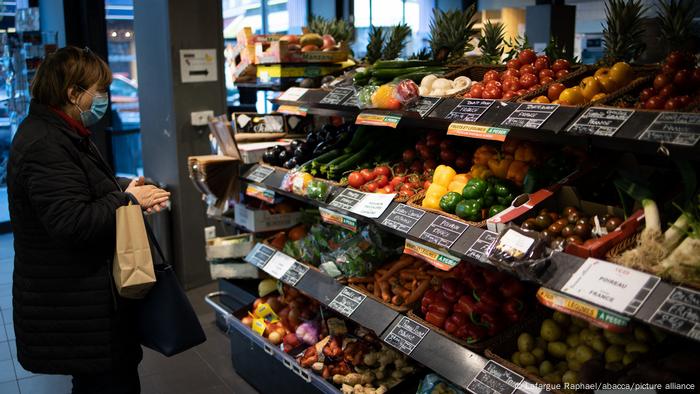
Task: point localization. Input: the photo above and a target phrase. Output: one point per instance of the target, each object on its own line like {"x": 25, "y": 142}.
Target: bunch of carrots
{"x": 401, "y": 282}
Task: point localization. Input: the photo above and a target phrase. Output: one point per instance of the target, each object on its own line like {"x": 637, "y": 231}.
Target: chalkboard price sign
{"x": 337, "y": 95}
{"x": 403, "y": 218}
{"x": 424, "y": 105}
{"x": 260, "y": 255}
{"x": 680, "y": 312}
{"x": 530, "y": 115}
{"x": 469, "y": 110}
{"x": 260, "y": 173}
{"x": 600, "y": 121}
{"x": 495, "y": 378}
{"x": 479, "y": 248}
{"x": 677, "y": 128}
{"x": 406, "y": 335}
{"x": 443, "y": 231}
{"x": 347, "y": 301}
{"x": 294, "y": 273}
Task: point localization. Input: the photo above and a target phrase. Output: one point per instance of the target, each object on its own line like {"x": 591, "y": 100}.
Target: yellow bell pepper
{"x": 499, "y": 165}
{"x": 483, "y": 154}
{"x": 462, "y": 178}
{"x": 443, "y": 175}
{"x": 431, "y": 202}
{"x": 525, "y": 152}
{"x": 456, "y": 186}
{"x": 517, "y": 171}
{"x": 480, "y": 171}
{"x": 510, "y": 145}
{"x": 436, "y": 190}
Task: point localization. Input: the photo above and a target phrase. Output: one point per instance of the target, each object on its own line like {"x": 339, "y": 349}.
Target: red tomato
{"x": 508, "y": 95}
{"x": 528, "y": 80}
{"x": 527, "y": 56}
{"x": 427, "y": 184}
{"x": 546, "y": 80}
{"x": 534, "y": 88}
{"x": 381, "y": 180}
{"x": 646, "y": 94}
{"x": 493, "y": 84}
{"x": 400, "y": 169}
{"x": 371, "y": 187}
{"x": 527, "y": 69}
{"x": 429, "y": 165}
{"x": 695, "y": 77}
{"x": 367, "y": 174}
{"x": 541, "y": 63}
{"x": 382, "y": 170}
{"x": 675, "y": 59}
{"x": 521, "y": 92}
{"x": 493, "y": 93}
{"x": 560, "y": 64}
{"x": 406, "y": 187}
{"x": 409, "y": 155}
{"x": 682, "y": 79}
{"x": 655, "y": 102}
{"x": 546, "y": 73}
{"x": 397, "y": 180}
{"x": 662, "y": 80}
{"x": 672, "y": 104}
{"x": 477, "y": 90}
{"x": 355, "y": 179}
{"x": 668, "y": 69}
{"x": 683, "y": 101}
{"x": 491, "y": 75}
{"x": 554, "y": 91}
{"x": 417, "y": 166}
{"x": 511, "y": 85}
{"x": 514, "y": 64}
{"x": 510, "y": 73}
{"x": 387, "y": 189}
{"x": 668, "y": 91}
{"x": 561, "y": 74}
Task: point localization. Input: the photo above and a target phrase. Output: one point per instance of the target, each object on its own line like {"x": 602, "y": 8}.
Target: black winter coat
{"x": 63, "y": 197}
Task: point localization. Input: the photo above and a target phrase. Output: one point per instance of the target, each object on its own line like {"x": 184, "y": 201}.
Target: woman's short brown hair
{"x": 69, "y": 67}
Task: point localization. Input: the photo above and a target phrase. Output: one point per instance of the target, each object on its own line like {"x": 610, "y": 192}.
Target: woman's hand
{"x": 149, "y": 197}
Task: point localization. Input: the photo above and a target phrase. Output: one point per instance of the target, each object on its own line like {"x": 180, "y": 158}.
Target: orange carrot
{"x": 418, "y": 292}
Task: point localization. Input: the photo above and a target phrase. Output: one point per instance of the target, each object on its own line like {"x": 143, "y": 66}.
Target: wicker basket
{"x": 644, "y": 75}
{"x": 417, "y": 199}
{"x": 613, "y": 255}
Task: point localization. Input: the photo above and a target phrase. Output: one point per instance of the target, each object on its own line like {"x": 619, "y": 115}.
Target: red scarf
{"x": 74, "y": 124}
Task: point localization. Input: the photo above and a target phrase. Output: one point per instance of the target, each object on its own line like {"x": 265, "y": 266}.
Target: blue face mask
{"x": 97, "y": 109}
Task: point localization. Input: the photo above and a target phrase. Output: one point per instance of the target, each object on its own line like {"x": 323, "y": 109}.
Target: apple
{"x": 554, "y": 91}
{"x": 572, "y": 96}
{"x": 527, "y": 69}
{"x": 290, "y": 38}
{"x": 528, "y": 80}
{"x": 527, "y": 56}
{"x": 309, "y": 48}
{"x": 661, "y": 80}
{"x": 590, "y": 87}
{"x": 328, "y": 41}
{"x": 513, "y": 64}
{"x": 491, "y": 75}
{"x": 561, "y": 73}
{"x": 560, "y": 64}
{"x": 621, "y": 73}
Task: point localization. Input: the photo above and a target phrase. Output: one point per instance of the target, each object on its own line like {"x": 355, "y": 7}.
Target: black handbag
{"x": 166, "y": 321}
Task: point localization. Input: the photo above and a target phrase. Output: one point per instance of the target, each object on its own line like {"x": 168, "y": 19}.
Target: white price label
{"x": 514, "y": 240}
{"x": 611, "y": 286}
{"x": 292, "y": 94}
{"x": 278, "y": 265}
{"x": 373, "y": 205}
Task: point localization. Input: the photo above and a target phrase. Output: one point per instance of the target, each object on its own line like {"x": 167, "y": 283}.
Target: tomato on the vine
{"x": 367, "y": 174}
{"x": 355, "y": 179}
{"x": 381, "y": 181}
{"x": 371, "y": 187}
{"x": 388, "y": 189}
{"x": 382, "y": 170}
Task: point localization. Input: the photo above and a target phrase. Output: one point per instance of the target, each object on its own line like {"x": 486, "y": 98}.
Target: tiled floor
{"x": 205, "y": 369}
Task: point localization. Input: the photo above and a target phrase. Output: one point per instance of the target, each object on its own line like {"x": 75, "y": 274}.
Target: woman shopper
{"x": 63, "y": 199}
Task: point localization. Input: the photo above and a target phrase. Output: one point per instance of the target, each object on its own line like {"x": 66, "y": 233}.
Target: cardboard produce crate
{"x": 260, "y": 220}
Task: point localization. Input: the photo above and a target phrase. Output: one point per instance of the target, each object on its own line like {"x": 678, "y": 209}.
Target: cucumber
{"x": 391, "y": 73}
{"x": 417, "y": 77}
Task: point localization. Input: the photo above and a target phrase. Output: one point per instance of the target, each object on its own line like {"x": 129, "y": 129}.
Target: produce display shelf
{"x": 656, "y": 302}
{"x": 671, "y": 134}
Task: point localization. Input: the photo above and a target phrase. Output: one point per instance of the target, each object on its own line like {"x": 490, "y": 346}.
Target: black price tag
{"x": 600, "y": 121}
{"x": 260, "y": 173}
{"x": 479, "y": 248}
{"x": 403, "y": 218}
{"x": 443, "y": 231}
{"x": 406, "y": 335}
{"x": 351, "y": 101}
{"x": 530, "y": 115}
{"x": 424, "y": 105}
{"x": 495, "y": 378}
{"x": 680, "y": 313}
{"x": 347, "y": 199}
{"x": 260, "y": 255}
{"x": 469, "y": 110}
{"x": 294, "y": 273}
{"x": 337, "y": 96}
{"x": 677, "y": 128}
{"x": 347, "y": 301}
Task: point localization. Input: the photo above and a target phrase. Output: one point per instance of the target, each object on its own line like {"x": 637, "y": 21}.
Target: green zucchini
{"x": 403, "y": 63}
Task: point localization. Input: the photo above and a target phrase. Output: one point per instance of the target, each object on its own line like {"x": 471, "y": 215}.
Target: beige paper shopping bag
{"x": 133, "y": 265}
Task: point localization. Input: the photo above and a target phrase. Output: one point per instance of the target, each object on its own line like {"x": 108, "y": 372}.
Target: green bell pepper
{"x": 449, "y": 201}
{"x": 471, "y": 192}
{"x": 501, "y": 190}
{"x": 506, "y": 200}
{"x": 495, "y": 210}
{"x": 479, "y": 184}
{"x": 317, "y": 190}
{"x": 469, "y": 210}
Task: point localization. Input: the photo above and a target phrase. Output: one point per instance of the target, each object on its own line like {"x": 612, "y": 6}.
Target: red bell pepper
{"x": 474, "y": 280}
{"x": 492, "y": 277}
{"x": 435, "y": 318}
{"x": 456, "y": 321}
{"x": 487, "y": 300}
{"x": 511, "y": 287}
{"x": 471, "y": 333}
{"x": 452, "y": 289}
{"x": 440, "y": 306}
{"x": 513, "y": 310}
{"x": 466, "y": 304}
{"x": 493, "y": 324}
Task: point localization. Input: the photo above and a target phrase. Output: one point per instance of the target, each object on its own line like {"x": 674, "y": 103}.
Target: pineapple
{"x": 676, "y": 20}
{"x": 423, "y": 54}
{"x": 396, "y": 42}
{"x": 624, "y": 30}
{"x": 376, "y": 42}
{"x": 340, "y": 30}
{"x": 491, "y": 42}
{"x": 450, "y": 33}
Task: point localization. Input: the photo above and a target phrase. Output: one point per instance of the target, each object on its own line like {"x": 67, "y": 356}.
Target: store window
{"x": 384, "y": 13}
{"x": 126, "y": 118}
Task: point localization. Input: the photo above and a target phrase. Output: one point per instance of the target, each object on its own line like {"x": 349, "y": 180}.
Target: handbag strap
{"x": 149, "y": 232}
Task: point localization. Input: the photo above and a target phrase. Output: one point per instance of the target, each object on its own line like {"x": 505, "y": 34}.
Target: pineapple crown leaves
{"x": 624, "y": 30}
{"x": 451, "y": 32}
{"x": 338, "y": 28}
{"x": 516, "y": 45}
{"x": 555, "y": 51}
{"x": 396, "y": 41}
{"x": 423, "y": 54}
{"x": 376, "y": 42}
{"x": 676, "y": 22}
{"x": 491, "y": 42}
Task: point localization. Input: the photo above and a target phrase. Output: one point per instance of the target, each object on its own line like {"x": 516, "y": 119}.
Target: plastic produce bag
{"x": 519, "y": 251}
{"x": 359, "y": 254}
{"x": 434, "y": 384}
